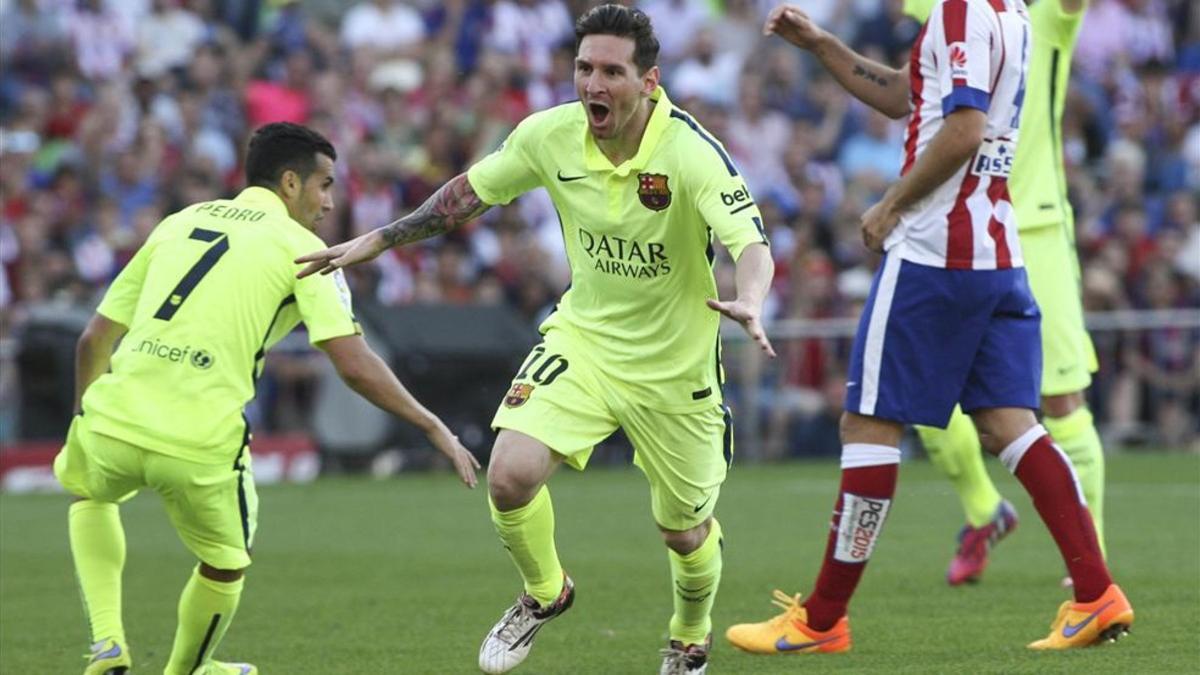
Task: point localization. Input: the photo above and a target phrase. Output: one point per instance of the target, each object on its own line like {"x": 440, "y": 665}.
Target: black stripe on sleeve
{"x": 716, "y": 146}
{"x": 762, "y": 232}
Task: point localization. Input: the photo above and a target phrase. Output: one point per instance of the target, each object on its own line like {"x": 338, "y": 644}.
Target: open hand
{"x": 358, "y": 250}
{"x": 792, "y": 24}
{"x": 447, "y": 443}
{"x": 748, "y": 315}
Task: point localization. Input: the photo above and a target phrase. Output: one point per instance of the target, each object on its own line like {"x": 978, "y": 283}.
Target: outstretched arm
{"x": 754, "y": 270}
{"x": 884, "y": 89}
{"x": 452, "y": 205}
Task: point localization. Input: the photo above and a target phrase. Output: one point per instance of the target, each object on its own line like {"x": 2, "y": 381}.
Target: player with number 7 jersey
{"x": 191, "y": 318}
{"x": 210, "y": 291}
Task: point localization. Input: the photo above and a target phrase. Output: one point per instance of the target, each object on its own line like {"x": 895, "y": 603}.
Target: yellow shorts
{"x": 213, "y": 507}
{"x": 1068, "y": 357}
{"x": 569, "y": 403}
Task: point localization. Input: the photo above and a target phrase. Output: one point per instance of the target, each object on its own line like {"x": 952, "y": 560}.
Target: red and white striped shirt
{"x": 969, "y": 54}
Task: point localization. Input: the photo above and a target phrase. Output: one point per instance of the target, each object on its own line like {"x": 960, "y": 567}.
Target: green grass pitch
{"x": 406, "y": 576}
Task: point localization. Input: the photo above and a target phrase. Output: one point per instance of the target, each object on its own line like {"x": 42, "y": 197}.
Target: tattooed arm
{"x": 884, "y": 89}
{"x": 452, "y": 205}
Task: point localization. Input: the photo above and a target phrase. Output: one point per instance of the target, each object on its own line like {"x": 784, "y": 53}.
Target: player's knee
{"x": 519, "y": 466}
{"x": 508, "y": 486}
{"x": 1063, "y": 404}
{"x": 992, "y": 444}
{"x": 224, "y": 576}
{"x": 505, "y": 491}
{"x": 684, "y": 542}
{"x": 991, "y": 435}
{"x": 998, "y": 427}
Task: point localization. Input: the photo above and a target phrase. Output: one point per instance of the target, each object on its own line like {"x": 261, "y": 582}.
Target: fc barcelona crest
{"x": 653, "y": 191}
{"x": 518, "y": 395}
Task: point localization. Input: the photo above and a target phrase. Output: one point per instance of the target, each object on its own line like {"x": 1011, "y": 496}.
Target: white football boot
{"x": 509, "y": 641}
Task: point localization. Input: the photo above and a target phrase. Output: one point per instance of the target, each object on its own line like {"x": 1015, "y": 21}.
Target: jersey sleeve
{"x": 725, "y": 203}
{"x": 962, "y": 43}
{"x": 1055, "y": 25}
{"x": 510, "y": 170}
{"x": 121, "y": 300}
{"x": 323, "y": 301}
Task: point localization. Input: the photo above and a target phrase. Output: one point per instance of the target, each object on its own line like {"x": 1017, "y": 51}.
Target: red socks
{"x": 868, "y": 483}
{"x": 1049, "y": 479}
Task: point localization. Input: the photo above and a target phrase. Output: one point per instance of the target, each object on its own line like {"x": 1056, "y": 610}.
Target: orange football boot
{"x": 1083, "y": 624}
{"x": 789, "y": 632}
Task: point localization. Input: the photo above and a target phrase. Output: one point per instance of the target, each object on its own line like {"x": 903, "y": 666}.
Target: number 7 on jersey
{"x": 189, "y": 281}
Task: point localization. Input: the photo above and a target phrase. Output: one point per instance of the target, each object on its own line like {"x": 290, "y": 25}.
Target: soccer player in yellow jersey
{"x": 641, "y": 189}
{"x": 1047, "y": 229}
{"x": 165, "y": 367}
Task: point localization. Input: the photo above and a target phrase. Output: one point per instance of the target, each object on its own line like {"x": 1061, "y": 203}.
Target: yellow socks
{"x": 98, "y": 547}
{"x": 528, "y": 534}
{"x": 696, "y": 577}
{"x": 1076, "y": 435}
{"x": 206, "y": 609}
{"x": 957, "y": 452}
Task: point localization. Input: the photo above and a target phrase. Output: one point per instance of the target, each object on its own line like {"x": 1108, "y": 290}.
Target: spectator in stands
{"x": 166, "y": 38}
{"x": 286, "y": 99}
{"x": 102, "y": 41}
{"x": 530, "y": 31}
{"x": 1168, "y": 362}
{"x": 872, "y": 154}
{"x": 675, "y": 22}
{"x": 757, "y": 136}
{"x": 390, "y": 27}
{"x": 707, "y": 74}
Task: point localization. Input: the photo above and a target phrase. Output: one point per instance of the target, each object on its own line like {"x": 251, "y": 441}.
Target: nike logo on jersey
{"x": 783, "y": 645}
{"x": 1069, "y": 630}
{"x": 702, "y": 504}
{"x": 568, "y": 179}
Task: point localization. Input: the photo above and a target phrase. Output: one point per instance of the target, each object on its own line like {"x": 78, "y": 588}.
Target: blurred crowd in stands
{"x": 114, "y": 113}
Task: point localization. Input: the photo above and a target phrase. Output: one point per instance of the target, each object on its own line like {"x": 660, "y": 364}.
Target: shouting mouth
{"x": 598, "y": 113}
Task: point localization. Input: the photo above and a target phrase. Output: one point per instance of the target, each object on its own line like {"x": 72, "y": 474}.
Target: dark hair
{"x": 280, "y": 146}
{"x": 625, "y": 22}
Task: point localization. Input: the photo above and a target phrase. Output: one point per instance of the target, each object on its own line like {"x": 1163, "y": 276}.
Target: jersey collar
{"x": 595, "y": 160}
{"x": 264, "y": 199}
